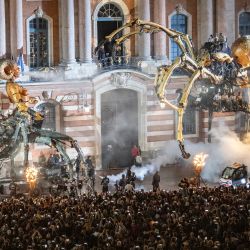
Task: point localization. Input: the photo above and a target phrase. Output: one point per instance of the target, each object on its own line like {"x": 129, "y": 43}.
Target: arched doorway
{"x": 119, "y": 126}
{"x": 109, "y": 19}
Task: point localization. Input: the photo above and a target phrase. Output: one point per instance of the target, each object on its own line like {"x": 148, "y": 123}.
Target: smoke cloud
{"x": 225, "y": 149}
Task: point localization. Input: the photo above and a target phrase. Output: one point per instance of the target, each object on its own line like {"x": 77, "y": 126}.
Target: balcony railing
{"x": 75, "y": 71}
{"x": 110, "y": 63}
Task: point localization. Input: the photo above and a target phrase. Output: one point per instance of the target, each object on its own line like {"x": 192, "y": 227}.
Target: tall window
{"x": 49, "y": 109}
{"x": 244, "y": 23}
{"x": 179, "y": 23}
{"x": 189, "y": 119}
{"x": 39, "y": 56}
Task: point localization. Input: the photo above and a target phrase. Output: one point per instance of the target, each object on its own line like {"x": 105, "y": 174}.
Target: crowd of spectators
{"x": 200, "y": 218}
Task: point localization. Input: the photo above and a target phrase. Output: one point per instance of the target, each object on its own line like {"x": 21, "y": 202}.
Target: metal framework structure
{"x": 24, "y": 126}
{"x": 211, "y": 63}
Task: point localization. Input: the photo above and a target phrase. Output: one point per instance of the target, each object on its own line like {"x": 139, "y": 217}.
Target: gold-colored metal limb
{"x": 180, "y": 38}
{"x": 162, "y": 77}
{"x": 187, "y": 89}
{"x": 115, "y": 32}
{"x": 125, "y": 37}
{"x": 164, "y": 100}
{"x": 181, "y": 110}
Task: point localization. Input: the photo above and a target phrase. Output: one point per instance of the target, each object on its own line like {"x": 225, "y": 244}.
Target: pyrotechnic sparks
{"x": 31, "y": 176}
{"x": 199, "y": 162}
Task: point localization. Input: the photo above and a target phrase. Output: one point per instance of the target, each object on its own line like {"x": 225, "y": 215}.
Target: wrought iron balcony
{"x": 110, "y": 63}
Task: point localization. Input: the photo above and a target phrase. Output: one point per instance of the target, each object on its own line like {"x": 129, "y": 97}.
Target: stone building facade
{"x": 101, "y": 106}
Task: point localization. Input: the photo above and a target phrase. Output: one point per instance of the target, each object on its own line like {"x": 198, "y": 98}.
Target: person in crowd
{"x": 89, "y": 162}
{"x": 91, "y": 175}
{"x": 53, "y": 160}
{"x": 108, "y": 156}
{"x": 129, "y": 187}
{"x": 128, "y": 175}
{"x": 201, "y": 218}
{"x": 73, "y": 188}
{"x": 156, "y": 181}
{"x": 13, "y": 188}
{"x": 122, "y": 182}
{"x": 105, "y": 184}
{"x": 134, "y": 153}
{"x": 42, "y": 161}
{"x": 79, "y": 186}
{"x": 78, "y": 166}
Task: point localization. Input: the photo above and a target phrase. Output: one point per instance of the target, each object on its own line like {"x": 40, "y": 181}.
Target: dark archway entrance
{"x": 119, "y": 127}
{"x": 109, "y": 19}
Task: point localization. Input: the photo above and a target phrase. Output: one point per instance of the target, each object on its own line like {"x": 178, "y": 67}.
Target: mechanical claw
{"x": 185, "y": 155}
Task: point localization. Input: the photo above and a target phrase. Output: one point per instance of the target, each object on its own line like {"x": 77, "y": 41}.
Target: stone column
{"x": 60, "y": 21}
{"x": 225, "y": 19}
{"x": 160, "y": 38}
{"x": 85, "y": 33}
{"x": 205, "y": 21}
{"x": 19, "y": 26}
{"x": 144, "y": 39}
{"x": 69, "y": 32}
{"x": 2, "y": 30}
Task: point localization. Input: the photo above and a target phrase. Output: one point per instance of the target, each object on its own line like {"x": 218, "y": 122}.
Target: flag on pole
{"x": 20, "y": 62}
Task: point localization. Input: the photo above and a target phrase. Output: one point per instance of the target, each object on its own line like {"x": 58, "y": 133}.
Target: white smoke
{"x": 225, "y": 149}
{"x": 46, "y": 75}
{"x": 140, "y": 172}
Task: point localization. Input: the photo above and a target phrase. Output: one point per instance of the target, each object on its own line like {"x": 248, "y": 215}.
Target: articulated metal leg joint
{"x": 185, "y": 155}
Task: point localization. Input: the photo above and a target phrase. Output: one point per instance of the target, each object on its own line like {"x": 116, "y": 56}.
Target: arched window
{"x": 38, "y": 41}
{"x": 109, "y": 11}
{"x": 49, "y": 109}
{"x": 244, "y": 23}
{"x": 178, "y": 23}
{"x": 109, "y": 18}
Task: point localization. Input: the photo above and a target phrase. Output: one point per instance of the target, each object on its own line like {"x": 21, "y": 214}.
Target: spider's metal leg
{"x": 125, "y": 37}
{"x": 162, "y": 77}
{"x": 181, "y": 109}
{"x": 26, "y": 144}
{"x": 127, "y": 25}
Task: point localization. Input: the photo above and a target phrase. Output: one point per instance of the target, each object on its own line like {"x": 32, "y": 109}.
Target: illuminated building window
{"x": 178, "y": 23}
{"x": 244, "y": 23}
{"x": 38, "y": 41}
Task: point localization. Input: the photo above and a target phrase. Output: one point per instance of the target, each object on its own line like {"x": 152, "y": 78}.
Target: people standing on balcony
{"x": 101, "y": 55}
{"x": 118, "y": 55}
